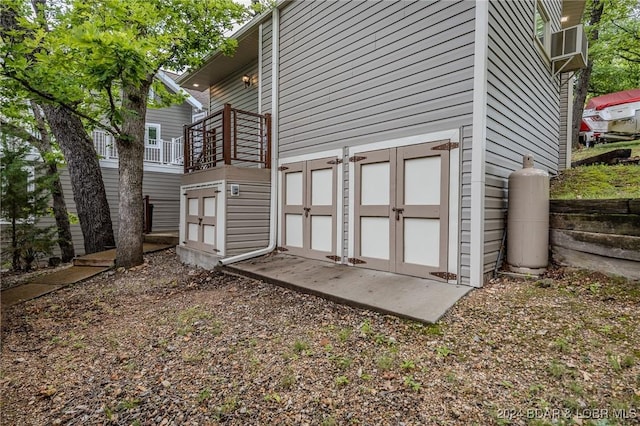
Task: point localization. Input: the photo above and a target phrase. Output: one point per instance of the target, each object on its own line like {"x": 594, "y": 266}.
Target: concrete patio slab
{"x": 415, "y": 298}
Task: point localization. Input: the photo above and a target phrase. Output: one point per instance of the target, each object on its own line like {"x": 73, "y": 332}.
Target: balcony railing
{"x": 158, "y": 151}
{"x": 228, "y": 136}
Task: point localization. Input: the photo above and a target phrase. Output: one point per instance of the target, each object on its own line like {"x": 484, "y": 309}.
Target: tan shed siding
{"x": 522, "y": 108}
{"x": 171, "y": 119}
{"x": 565, "y": 142}
{"x": 361, "y": 72}
{"x": 247, "y": 218}
{"x": 231, "y": 90}
{"x": 267, "y": 43}
{"x": 465, "y": 207}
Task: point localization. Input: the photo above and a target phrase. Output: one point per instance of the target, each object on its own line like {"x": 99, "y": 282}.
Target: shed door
{"x": 401, "y": 209}
{"x": 309, "y": 208}
{"x": 201, "y": 219}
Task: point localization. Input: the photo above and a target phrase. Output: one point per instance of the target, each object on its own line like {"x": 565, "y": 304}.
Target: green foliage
{"x": 342, "y": 381}
{"x": 25, "y": 200}
{"x": 93, "y": 56}
{"x": 412, "y": 383}
{"x": 616, "y": 52}
{"x": 443, "y": 351}
{"x": 597, "y": 182}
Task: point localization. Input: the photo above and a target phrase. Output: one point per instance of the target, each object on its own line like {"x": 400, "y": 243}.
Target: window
{"x": 542, "y": 28}
{"x": 152, "y": 134}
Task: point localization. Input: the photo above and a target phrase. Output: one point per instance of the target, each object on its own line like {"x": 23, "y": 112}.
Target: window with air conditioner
{"x": 569, "y": 49}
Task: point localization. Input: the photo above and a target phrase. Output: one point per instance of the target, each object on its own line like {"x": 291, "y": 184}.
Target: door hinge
{"x": 334, "y": 258}
{"x": 282, "y": 249}
{"x": 281, "y": 168}
{"x": 446, "y": 146}
{"x": 445, "y": 275}
{"x": 356, "y": 158}
{"x": 355, "y": 261}
{"x": 336, "y": 161}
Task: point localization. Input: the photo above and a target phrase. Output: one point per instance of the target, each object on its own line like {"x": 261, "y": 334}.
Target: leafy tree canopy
{"x": 616, "y": 51}
{"x": 84, "y": 54}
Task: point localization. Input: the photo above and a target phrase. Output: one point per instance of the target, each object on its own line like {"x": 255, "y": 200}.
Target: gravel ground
{"x": 167, "y": 344}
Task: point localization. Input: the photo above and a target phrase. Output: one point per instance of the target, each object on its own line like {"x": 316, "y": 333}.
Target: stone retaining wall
{"x": 599, "y": 235}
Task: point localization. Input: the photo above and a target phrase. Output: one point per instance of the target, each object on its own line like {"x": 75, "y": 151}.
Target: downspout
{"x": 275, "y": 120}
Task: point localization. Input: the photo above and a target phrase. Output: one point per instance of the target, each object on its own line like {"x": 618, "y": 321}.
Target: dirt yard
{"x": 166, "y": 344}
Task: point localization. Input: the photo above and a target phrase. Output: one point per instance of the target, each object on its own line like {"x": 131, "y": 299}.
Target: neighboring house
{"x": 163, "y": 162}
{"x": 378, "y": 134}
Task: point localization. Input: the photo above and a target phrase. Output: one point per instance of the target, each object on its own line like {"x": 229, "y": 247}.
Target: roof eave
{"x": 217, "y": 64}
{"x": 572, "y": 11}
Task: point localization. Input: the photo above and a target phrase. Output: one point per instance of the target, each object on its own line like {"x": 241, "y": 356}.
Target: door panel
{"x": 401, "y": 209}
{"x": 201, "y": 219}
{"x": 423, "y": 199}
{"x": 374, "y": 231}
{"x": 309, "y": 208}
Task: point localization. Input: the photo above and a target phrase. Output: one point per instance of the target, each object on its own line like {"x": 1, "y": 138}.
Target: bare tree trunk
{"x": 582, "y": 85}
{"x": 131, "y": 162}
{"x": 65, "y": 239}
{"x": 86, "y": 178}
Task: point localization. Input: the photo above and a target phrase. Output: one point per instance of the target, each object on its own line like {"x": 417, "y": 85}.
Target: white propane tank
{"x": 528, "y": 219}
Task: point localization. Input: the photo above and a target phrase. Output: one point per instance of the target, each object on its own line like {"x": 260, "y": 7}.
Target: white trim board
{"x": 148, "y": 167}
{"x": 452, "y": 135}
{"x": 170, "y": 83}
{"x": 479, "y": 142}
{"x": 314, "y": 156}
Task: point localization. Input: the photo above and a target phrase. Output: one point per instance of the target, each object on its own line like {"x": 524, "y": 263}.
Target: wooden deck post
{"x": 186, "y": 142}
{"x": 226, "y": 133}
{"x": 267, "y": 161}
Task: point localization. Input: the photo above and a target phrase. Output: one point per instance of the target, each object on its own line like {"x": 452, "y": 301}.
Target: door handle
{"x": 398, "y": 212}
{"x": 306, "y": 211}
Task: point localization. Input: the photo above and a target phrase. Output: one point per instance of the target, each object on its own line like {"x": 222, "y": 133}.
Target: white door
{"x": 200, "y": 229}
{"x": 401, "y": 209}
{"x": 309, "y": 208}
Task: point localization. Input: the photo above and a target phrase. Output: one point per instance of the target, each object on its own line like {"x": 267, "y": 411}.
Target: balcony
{"x": 157, "y": 151}
{"x": 228, "y": 137}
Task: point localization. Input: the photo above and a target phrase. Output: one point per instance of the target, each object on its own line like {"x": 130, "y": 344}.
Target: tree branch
{"x": 112, "y": 106}
{"x": 49, "y": 97}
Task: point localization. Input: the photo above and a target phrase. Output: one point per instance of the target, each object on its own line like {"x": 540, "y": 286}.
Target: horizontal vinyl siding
{"x": 163, "y": 190}
{"x": 171, "y": 119}
{"x": 522, "y": 109}
{"x": 361, "y": 72}
{"x": 267, "y": 44}
{"x": 231, "y": 90}
{"x": 465, "y": 207}
{"x": 247, "y": 225}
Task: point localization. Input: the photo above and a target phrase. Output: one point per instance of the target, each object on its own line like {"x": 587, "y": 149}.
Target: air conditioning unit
{"x": 569, "y": 49}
